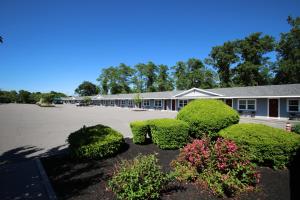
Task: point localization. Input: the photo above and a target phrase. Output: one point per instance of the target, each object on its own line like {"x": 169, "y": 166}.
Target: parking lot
{"x": 25, "y": 127}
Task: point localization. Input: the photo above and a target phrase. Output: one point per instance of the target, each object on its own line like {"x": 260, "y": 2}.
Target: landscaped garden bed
{"x": 88, "y": 179}
{"x": 196, "y": 156}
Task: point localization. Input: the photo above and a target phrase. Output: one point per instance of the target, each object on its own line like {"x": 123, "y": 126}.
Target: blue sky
{"x": 56, "y": 44}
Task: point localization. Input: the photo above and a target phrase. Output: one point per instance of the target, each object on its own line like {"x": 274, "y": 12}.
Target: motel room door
{"x": 173, "y": 104}
{"x": 228, "y": 102}
{"x": 273, "y": 107}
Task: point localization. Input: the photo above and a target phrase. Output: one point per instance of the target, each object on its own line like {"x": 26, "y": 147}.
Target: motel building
{"x": 272, "y": 101}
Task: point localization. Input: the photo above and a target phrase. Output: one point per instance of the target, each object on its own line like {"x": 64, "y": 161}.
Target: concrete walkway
{"x": 24, "y": 180}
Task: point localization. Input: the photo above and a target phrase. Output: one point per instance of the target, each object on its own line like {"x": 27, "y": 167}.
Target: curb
{"x": 45, "y": 180}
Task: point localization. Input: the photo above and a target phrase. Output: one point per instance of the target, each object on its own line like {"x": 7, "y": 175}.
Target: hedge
{"x": 140, "y": 130}
{"x": 169, "y": 133}
{"x": 207, "y": 117}
{"x": 95, "y": 142}
{"x": 266, "y": 145}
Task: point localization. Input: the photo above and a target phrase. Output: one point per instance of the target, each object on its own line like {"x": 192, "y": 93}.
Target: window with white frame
{"x": 247, "y": 104}
{"x": 112, "y": 102}
{"x": 293, "y": 105}
{"x": 123, "y": 102}
{"x": 130, "y": 103}
{"x": 146, "y": 103}
{"x": 182, "y": 103}
{"x": 157, "y": 103}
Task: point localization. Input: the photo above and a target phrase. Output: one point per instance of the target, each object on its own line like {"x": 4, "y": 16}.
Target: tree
{"x": 288, "y": 58}
{"x": 252, "y": 50}
{"x": 164, "y": 82}
{"x": 87, "y": 100}
{"x": 87, "y": 88}
{"x": 151, "y": 76}
{"x": 125, "y": 74}
{"x": 25, "y": 97}
{"x": 137, "y": 99}
{"x": 180, "y": 76}
{"x": 139, "y": 79}
{"x": 103, "y": 79}
{"x": 47, "y": 98}
{"x": 222, "y": 58}
{"x": 196, "y": 73}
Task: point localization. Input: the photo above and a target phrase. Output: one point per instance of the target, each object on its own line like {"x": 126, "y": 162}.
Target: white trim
{"x": 268, "y": 109}
{"x": 255, "y": 105}
{"x": 287, "y": 105}
{"x": 196, "y": 89}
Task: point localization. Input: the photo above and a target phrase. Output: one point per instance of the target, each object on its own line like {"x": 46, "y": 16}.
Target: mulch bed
{"x": 88, "y": 179}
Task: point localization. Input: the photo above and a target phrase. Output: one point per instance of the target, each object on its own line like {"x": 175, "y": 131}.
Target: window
{"x": 112, "y": 102}
{"x": 146, "y": 103}
{"x": 130, "y": 103}
{"x": 294, "y": 105}
{"x": 157, "y": 103}
{"x": 123, "y": 102}
{"x": 182, "y": 103}
{"x": 247, "y": 104}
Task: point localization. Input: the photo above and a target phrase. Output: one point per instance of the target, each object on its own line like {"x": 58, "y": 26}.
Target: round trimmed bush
{"x": 207, "y": 117}
{"x": 169, "y": 133}
{"x": 296, "y": 128}
{"x": 95, "y": 142}
{"x": 266, "y": 145}
{"x": 140, "y": 130}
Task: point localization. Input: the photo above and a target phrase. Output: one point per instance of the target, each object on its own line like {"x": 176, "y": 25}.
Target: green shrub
{"x": 95, "y": 142}
{"x": 140, "y": 178}
{"x": 207, "y": 117}
{"x": 296, "y": 128}
{"x": 265, "y": 145}
{"x": 140, "y": 130}
{"x": 169, "y": 133}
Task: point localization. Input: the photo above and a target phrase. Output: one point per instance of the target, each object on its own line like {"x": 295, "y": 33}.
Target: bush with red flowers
{"x": 221, "y": 166}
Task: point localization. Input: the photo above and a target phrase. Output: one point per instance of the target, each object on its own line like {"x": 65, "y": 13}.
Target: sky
{"x": 57, "y": 44}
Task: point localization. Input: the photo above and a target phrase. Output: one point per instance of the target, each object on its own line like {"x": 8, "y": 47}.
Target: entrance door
{"x": 273, "y": 107}
{"x": 228, "y": 102}
{"x": 165, "y": 104}
{"x": 173, "y": 104}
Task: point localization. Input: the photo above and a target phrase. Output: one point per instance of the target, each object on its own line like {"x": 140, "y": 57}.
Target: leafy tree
{"x": 222, "y": 58}
{"x": 139, "y": 79}
{"x": 164, "y": 82}
{"x": 87, "y": 88}
{"x": 151, "y": 76}
{"x": 25, "y": 97}
{"x": 252, "y": 50}
{"x": 209, "y": 79}
{"x": 104, "y": 79}
{"x": 288, "y": 59}
{"x": 47, "y": 98}
{"x": 180, "y": 76}
{"x": 125, "y": 74}
{"x": 137, "y": 99}
{"x": 196, "y": 73}
{"x": 87, "y": 100}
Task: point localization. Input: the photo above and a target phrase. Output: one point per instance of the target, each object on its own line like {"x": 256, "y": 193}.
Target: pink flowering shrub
{"x": 221, "y": 165}
{"x": 197, "y": 153}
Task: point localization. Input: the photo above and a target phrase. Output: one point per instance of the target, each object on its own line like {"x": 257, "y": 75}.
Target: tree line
{"x": 241, "y": 62}
{"x": 24, "y": 96}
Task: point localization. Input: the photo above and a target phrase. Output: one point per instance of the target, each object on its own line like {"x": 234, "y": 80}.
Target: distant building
{"x": 271, "y": 101}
